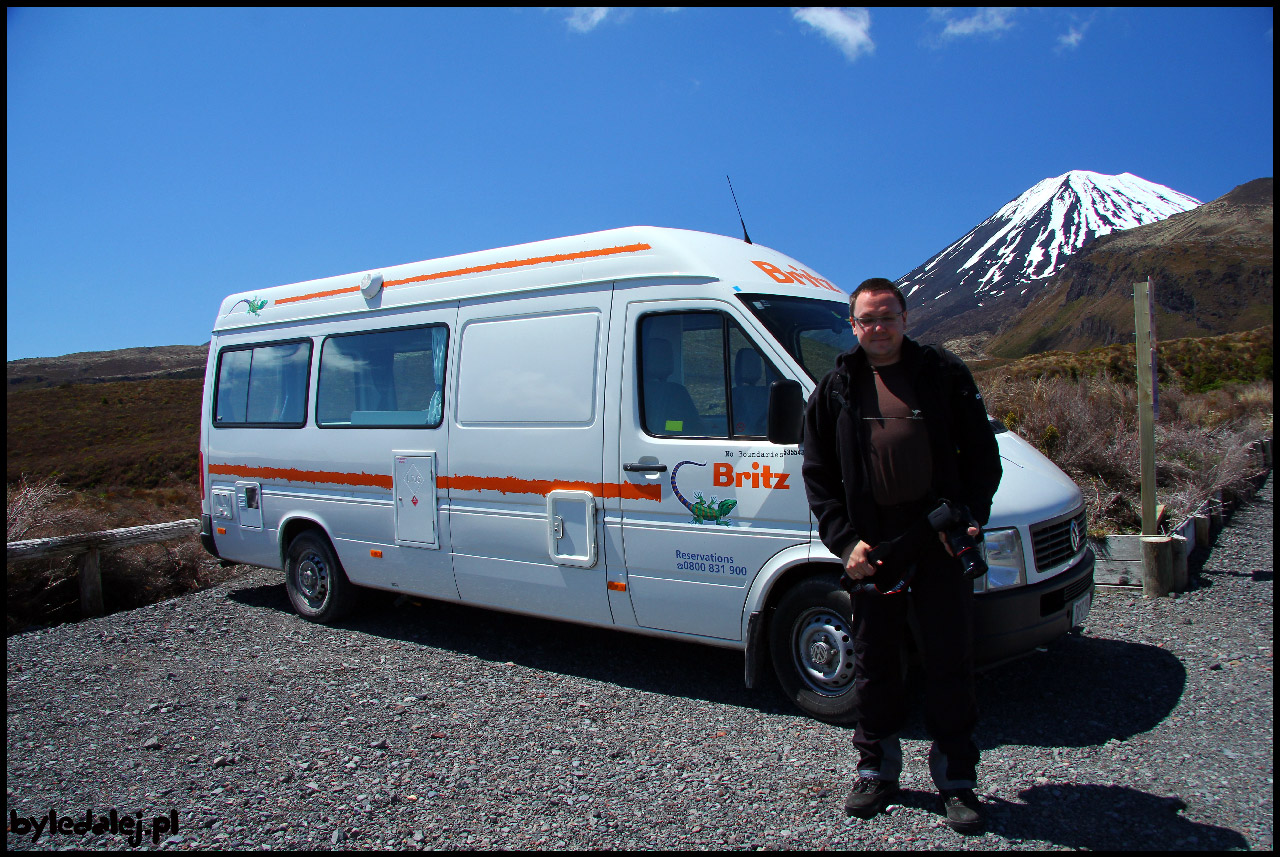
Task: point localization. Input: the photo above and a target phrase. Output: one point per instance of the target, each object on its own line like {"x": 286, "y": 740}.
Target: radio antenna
{"x": 745, "y": 236}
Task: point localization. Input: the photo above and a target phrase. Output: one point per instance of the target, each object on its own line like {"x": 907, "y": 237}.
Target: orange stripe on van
{"x": 520, "y": 263}
{"x": 627, "y": 491}
{"x": 501, "y": 484}
{"x": 289, "y": 474}
{"x": 512, "y": 485}
{"x": 317, "y": 295}
{"x": 479, "y": 269}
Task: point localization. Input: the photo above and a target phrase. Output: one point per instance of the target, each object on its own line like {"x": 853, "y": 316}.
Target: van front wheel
{"x": 812, "y": 647}
{"x": 317, "y": 585}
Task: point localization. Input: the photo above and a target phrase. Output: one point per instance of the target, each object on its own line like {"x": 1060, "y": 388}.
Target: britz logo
{"x": 794, "y": 275}
{"x": 715, "y": 510}
{"x": 723, "y": 475}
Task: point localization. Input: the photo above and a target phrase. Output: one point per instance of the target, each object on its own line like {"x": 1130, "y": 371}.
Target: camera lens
{"x": 966, "y": 550}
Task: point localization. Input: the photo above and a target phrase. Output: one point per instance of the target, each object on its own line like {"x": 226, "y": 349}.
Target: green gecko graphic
{"x": 713, "y": 511}
{"x": 255, "y": 306}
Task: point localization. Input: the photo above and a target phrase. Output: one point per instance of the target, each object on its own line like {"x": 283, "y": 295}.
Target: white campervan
{"x": 602, "y": 429}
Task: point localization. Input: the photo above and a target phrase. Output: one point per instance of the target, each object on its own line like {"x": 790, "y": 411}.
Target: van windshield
{"x": 813, "y": 331}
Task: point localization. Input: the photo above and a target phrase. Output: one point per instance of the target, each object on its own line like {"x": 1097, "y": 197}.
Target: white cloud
{"x": 849, "y": 29}
{"x": 989, "y": 19}
{"x": 584, "y": 19}
{"x": 1073, "y": 37}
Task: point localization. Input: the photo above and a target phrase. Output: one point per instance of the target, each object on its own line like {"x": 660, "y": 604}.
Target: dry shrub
{"x": 1089, "y": 428}
{"x": 29, "y": 504}
{"x": 47, "y": 591}
{"x": 1245, "y": 408}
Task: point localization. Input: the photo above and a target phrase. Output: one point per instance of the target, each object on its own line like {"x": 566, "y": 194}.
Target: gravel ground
{"x": 436, "y": 725}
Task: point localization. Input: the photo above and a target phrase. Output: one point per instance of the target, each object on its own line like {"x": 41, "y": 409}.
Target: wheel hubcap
{"x": 313, "y": 578}
{"x": 824, "y": 651}
{"x": 820, "y": 652}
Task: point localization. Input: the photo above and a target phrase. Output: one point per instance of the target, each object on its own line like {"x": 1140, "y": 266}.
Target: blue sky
{"x": 161, "y": 159}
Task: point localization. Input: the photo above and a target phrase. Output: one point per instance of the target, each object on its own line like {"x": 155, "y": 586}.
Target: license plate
{"x": 1080, "y": 610}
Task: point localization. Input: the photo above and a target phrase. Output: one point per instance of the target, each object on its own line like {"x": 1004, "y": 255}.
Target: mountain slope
{"x": 1008, "y": 256}
{"x": 1211, "y": 270}
{"x": 93, "y": 367}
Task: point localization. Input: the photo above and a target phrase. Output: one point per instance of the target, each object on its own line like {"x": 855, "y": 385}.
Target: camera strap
{"x": 902, "y": 550}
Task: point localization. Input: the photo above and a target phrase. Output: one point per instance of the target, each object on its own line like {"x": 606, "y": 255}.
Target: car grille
{"x": 1052, "y": 542}
{"x": 1052, "y": 602}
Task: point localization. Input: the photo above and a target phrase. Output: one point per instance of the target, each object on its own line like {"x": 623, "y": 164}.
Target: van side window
{"x": 383, "y": 379}
{"x": 701, "y": 377}
{"x": 263, "y": 385}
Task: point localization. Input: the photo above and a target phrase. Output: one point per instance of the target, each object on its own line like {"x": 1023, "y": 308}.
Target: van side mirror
{"x": 786, "y": 412}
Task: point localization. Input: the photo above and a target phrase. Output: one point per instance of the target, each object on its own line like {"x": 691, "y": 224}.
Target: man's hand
{"x": 973, "y": 531}
{"x": 857, "y": 566}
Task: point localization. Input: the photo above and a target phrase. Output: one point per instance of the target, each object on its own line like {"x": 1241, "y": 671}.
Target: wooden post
{"x": 90, "y": 584}
{"x": 86, "y": 547}
{"x": 1146, "y": 403}
{"x": 1157, "y": 566}
{"x": 1180, "y": 573}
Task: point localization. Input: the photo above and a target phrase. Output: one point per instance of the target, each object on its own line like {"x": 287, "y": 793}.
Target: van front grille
{"x": 1052, "y": 602}
{"x": 1052, "y": 542}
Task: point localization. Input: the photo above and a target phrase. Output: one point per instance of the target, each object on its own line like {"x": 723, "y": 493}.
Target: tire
{"x": 812, "y": 648}
{"x": 317, "y": 585}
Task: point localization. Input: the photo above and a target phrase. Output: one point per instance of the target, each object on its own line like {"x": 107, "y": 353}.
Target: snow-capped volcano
{"x": 1030, "y": 237}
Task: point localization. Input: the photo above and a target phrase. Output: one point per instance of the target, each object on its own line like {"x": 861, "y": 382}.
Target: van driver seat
{"x": 668, "y": 407}
{"x": 750, "y": 395}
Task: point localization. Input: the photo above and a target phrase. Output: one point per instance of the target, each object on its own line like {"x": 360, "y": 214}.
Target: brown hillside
{"x": 1191, "y": 364}
{"x": 1211, "y": 269}
{"x": 92, "y": 367}
{"x": 136, "y": 433}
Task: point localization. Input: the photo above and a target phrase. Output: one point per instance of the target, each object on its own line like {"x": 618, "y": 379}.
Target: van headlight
{"x": 1002, "y": 549}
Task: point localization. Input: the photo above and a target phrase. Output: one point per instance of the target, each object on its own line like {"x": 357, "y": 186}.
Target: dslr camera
{"x": 897, "y": 556}
{"x": 953, "y": 522}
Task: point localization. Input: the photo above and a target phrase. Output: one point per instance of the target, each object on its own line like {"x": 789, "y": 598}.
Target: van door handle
{"x": 637, "y": 467}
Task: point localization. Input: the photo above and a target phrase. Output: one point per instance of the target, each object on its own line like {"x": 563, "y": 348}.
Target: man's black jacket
{"x": 966, "y": 460}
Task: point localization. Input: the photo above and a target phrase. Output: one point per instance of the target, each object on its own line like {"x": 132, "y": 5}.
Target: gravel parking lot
{"x": 432, "y": 725}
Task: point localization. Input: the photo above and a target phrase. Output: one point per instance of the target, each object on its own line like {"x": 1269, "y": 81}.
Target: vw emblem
{"x": 820, "y": 653}
{"x": 1075, "y": 536}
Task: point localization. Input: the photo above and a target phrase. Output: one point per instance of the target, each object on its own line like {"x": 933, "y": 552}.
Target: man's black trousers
{"x": 943, "y": 604}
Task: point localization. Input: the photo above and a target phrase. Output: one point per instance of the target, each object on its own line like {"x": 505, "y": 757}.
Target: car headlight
{"x": 1002, "y": 549}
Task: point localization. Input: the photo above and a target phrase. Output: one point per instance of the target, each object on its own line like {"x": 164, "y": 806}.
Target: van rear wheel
{"x": 811, "y": 642}
{"x": 313, "y": 576}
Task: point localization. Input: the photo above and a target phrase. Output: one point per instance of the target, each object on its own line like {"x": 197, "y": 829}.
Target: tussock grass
{"x": 31, "y": 504}
{"x": 1089, "y": 427}
{"x": 47, "y": 591}
{"x": 130, "y": 433}
{"x": 1193, "y": 365}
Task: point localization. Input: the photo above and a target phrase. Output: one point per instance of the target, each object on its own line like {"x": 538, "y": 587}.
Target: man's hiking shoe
{"x": 963, "y": 811}
{"x": 869, "y": 796}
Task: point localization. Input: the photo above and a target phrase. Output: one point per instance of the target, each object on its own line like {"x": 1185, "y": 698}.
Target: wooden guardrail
{"x": 1158, "y": 564}
{"x": 87, "y": 546}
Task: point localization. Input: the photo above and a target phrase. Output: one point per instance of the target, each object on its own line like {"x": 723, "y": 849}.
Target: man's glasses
{"x": 883, "y": 321}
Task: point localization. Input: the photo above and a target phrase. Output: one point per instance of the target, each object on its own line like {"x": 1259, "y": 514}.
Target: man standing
{"x": 894, "y": 428}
